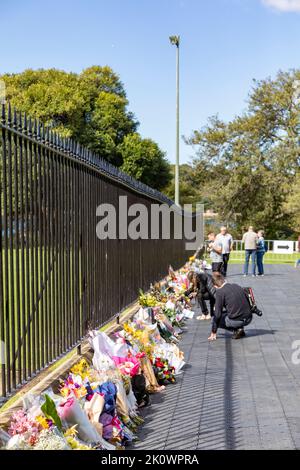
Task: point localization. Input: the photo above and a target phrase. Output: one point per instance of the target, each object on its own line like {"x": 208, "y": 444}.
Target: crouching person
{"x": 203, "y": 289}
{"x": 232, "y": 309}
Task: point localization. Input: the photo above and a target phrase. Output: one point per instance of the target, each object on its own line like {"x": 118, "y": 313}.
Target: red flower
{"x": 140, "y": 355}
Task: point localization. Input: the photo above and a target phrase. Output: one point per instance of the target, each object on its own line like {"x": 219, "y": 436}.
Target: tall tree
{"x": 92, "y": 108}
{"x": 251, "y": 162}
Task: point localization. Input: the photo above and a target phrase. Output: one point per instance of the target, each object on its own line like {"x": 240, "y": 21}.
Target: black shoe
{"x": 238, "y": 334}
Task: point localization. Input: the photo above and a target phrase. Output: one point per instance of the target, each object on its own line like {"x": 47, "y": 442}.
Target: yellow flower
{"x": 65, "y": 392}
{"x": 42, "y": 421}
{"x": 76, "y": 445}
{"x": 80, "y": 392}
{"x": 71, "y": 431}
{"x": 82, "y": 368}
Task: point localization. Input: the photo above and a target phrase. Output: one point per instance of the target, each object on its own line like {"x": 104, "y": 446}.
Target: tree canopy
{"x": 248, "y": 168}
{"x": 92, "y": 108}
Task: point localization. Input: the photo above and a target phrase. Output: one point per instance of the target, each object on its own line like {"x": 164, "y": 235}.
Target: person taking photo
{"x": 232, "y": 309}
{"x": 215, "y": 251}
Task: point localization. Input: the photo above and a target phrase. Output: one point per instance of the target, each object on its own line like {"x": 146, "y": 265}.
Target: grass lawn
{"x": 238, "y": 257}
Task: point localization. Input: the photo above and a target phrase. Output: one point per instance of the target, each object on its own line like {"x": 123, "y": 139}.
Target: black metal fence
{"x": 57, "y": 278}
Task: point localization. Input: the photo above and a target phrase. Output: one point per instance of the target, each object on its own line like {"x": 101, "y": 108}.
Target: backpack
{"x": 266, "y": 247}
{"x": 250, "y": 297}
{"x": 138, "y": 383}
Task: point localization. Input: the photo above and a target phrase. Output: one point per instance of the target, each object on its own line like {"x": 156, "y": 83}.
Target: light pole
{"x": 175, "y": 41}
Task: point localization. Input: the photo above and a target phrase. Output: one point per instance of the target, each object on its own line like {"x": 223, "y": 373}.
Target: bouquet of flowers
{"x": 163, "y": 371}
{"x": 71, "y": 413}
{"x": 51, "y": 439}
{"x": 140, "y": 337}
{"x": 25, "y": 426}
{"x": 82, "y": 369}
{"x": 147, "y": 300}
{"x": 127, "y": 365}
{"x": 73, "y": 385}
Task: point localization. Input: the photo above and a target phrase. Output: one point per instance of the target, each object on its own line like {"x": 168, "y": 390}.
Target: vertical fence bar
{"x": 60, "y": 228}
{"x": 5, "y": 384}
{"x": 69, "y": 285}
{"x": 40, "y": 264}
{"x": 11, "y": 291}
{"x": 52, "y": 252}
{"x": 32, "y": 250}
{"x": 43, "y": 248}
{"x": 76, "y": 250}
{"x": 23, "y": 371}
{"x": 18, "y": 315}
{"x": 46, "y": 250}
{"x": 37, "y": 270}
{"x": 73, "y": 253}
{"x": 63, "y": 222}
{"x": 56, "y": 249}
{"x": 28, "y": 252}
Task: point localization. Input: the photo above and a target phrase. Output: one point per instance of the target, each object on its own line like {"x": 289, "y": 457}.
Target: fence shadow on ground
{"x": 202, "y": 410}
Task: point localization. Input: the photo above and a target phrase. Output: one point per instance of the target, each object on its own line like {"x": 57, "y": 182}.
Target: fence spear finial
{"x": 9, "y": 114}
{"x": 15, "y": 120}
{"x": 3, "y": 116}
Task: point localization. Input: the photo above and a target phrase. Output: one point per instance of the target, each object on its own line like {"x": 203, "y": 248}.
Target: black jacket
{"x": 204, "y": 285}
{"x": 232, "y": 298}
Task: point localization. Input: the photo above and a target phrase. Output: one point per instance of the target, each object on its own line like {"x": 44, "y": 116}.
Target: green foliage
{"x": 49, "y": 410}
{"x": 143, "y": 159}
{"x": 189, "y": 182}
{"x": 250, "y": 164}
{"x": 292, "y": 205}
{"x": 91, "y": 107}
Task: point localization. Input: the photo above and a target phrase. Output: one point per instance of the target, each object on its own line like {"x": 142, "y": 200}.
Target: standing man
{"x": 226, "y": 241}
{"x": 250, "y": 240}
{"x": 215, "y": 250}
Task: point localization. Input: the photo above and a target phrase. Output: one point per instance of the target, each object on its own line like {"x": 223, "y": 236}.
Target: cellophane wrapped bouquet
{"x": 96, "y": 405}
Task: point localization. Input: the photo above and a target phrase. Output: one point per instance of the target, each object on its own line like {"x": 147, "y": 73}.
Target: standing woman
{"x": 260, "y": 252}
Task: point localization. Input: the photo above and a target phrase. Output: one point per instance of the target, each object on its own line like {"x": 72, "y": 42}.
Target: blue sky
{"x": 224, "y": 45}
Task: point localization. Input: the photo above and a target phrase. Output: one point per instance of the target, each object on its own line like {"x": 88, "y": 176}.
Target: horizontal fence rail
{"x": 57, "y": 279}
{"x": 238, "y": 252}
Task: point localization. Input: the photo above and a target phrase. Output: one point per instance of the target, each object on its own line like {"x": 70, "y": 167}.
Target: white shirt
{"x": 226, "y": 242}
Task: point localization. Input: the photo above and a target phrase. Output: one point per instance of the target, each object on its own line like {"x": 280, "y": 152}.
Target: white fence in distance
{"x": 278, "y": 250}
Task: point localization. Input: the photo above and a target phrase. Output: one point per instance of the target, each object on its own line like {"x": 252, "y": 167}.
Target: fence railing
{"x": 57, "y": 278}
{"x": 238, "y": 253}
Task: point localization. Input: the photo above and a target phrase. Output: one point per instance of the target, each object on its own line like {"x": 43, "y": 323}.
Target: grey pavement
{"x": 242, "y": 394}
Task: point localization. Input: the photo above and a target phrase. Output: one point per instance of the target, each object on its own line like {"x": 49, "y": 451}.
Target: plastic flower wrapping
{"x": 163, "y": 370}
{"x": 96, "y": 405}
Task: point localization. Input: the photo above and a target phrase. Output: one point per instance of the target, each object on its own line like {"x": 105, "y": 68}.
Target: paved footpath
{"x": 242, "y": 394}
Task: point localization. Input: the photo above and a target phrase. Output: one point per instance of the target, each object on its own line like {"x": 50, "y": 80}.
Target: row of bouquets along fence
{"x": 97, "y": 404}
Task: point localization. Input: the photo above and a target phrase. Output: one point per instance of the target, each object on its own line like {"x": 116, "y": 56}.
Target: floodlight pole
{"x": 175, "y": 40}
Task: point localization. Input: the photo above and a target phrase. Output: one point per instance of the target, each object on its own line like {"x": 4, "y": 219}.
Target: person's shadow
{"x": 259, "y": 332}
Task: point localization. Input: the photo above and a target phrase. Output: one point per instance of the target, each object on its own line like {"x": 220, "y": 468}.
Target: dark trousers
{"x": 234, "y": 324}
{"x": 250, "y": 254}
{"x": 202, "y": 303}
{"x": 216, "y": 267}
{"x": 260, "y": 262}
{"x": 226, "y": 257}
